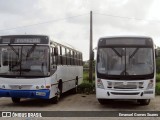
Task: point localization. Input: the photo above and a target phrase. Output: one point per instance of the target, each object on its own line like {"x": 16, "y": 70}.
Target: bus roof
{"x": 31, "y": 39}
{"x": 125, "y": 36}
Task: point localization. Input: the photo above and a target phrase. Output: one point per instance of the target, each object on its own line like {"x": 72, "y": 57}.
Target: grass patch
{"x": 158, "y": 88}
{"x": 86, "y": 87}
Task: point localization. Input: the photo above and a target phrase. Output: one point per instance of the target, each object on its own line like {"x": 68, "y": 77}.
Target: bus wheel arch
{"x": 75, "y": 89}
{"x": 60, "y": 86}
{"x": 55, "y": 99}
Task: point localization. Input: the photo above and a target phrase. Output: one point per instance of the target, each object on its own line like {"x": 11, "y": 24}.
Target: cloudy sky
{"x": 67, "y": 21}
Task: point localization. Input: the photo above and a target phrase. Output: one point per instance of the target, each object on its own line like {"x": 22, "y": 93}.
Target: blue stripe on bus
{"x": 44, "y": 94}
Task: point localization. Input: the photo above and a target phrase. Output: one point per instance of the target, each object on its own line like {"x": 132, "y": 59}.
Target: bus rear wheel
{"x": 75, "y": 89}
{"x": 144, "y": 101}
{"x": 15, "y": 100}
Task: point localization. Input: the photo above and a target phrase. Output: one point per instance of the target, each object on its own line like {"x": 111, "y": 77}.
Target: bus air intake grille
{"x": 117, "y": 93}
{"x": 129, "y": 85}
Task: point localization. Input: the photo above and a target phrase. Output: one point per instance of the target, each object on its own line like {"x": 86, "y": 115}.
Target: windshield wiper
{"x": 30, "y": 51}
{"x": 14, "y": 50}
{"x": 133, "y": 53}
{"x": 116, "y": 52}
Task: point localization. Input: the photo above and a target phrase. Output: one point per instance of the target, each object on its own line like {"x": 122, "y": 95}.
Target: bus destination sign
{"x": 27, "y": 40}
{"x": 24, "y": 40}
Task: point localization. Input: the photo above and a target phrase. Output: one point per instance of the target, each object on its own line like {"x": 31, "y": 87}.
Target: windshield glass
{"x": 125, "y": 61}
{"x": 24, "y": 60}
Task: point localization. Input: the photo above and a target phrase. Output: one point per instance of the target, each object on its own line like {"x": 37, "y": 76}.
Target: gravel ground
{"x": 79, "y": 102}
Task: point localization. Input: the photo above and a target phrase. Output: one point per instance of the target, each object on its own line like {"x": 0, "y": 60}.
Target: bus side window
{"x": 80, "y": 59}
{"x": 51, "y": 54}
{"x": 68, "y": 57}
{"x": 75, "y": 58}
{"x": 71, "y": 57}
{"x": 59, "y": 56}
{"x": 63, "y": 56}
{"x": 52, "y": 59}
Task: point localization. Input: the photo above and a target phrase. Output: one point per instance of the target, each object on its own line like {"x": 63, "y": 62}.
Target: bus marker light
{"x": 42, "y": 86}
{"x": 37, "y": 87}
{"x": 48, "y": 86}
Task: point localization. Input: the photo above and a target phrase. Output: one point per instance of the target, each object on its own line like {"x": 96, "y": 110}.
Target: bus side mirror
{"x": 55, "y": 51}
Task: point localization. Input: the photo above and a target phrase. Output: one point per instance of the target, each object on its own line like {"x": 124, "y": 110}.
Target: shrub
{"x": 86, "y": 87}
{"x": 158, "y": 88}
{"x": 158, "y": 78}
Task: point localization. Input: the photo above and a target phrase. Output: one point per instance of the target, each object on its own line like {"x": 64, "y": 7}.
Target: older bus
{"x": 125, "y": 69}
{"x": 33, "y": 66}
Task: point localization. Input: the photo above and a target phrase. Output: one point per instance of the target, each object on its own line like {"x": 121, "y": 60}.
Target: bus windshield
{"x": 125, "y": 61}
{"x": 30, "y": 60}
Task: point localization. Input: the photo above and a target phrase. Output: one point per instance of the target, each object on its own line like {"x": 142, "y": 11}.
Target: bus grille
{"x": 129, "y": 85}
{"x": 117, "y": 93}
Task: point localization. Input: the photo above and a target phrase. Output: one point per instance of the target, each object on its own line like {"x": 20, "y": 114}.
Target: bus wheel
{"x": 102, "y": 101}
{"x": 144, "y": 101}
{"x": 55, "y": 99}
{"x": 75, "y": 90}
{"x": 15, "y": 100}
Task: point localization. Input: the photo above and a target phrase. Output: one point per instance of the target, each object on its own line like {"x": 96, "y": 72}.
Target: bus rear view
{"x": 125, "y": 69}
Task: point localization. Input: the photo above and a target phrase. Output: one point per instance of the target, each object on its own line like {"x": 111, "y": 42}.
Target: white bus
{"x": 33, "y": 66}
{"x": 125, "y": 69}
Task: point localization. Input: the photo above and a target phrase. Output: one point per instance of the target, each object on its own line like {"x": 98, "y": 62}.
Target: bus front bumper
{"x": 124, "y": 94}
{"x": 43, "y": 94}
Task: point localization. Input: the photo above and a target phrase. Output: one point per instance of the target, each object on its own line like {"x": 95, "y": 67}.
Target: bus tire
{"x": 55, "y": 99}
{"x": 102, "y": 101}
{"x": 75, "y": 89}
{"x": 144, "y": 101}
{"x": 15, "y": 100}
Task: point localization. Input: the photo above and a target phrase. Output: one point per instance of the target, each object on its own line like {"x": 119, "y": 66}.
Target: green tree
{"x": 158, "y": 61}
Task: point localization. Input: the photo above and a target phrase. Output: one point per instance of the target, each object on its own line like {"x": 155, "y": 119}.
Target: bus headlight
{"x": 150, "y": 84}
{"x": 100, "y": 84}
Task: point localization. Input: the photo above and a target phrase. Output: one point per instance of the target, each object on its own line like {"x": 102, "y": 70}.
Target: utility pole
{"x": 90, "y": 52}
